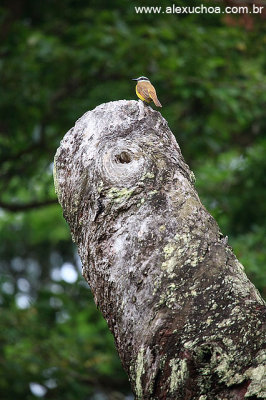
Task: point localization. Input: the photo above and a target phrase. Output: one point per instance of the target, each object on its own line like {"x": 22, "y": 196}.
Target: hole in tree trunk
{"x": 205, "y": 354}
{"x": 123, "y": 158}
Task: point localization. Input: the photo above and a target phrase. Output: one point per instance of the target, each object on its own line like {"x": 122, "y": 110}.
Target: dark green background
{"x": 59, "y": 59}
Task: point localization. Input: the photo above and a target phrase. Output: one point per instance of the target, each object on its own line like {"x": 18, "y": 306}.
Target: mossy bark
{"x": 187, "y": 322}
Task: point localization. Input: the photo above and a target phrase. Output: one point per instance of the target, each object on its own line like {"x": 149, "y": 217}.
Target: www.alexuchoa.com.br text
{"x": 201, "y": 9}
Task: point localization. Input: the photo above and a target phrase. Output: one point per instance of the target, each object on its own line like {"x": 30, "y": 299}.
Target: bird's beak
{"x": 134, "y": 79}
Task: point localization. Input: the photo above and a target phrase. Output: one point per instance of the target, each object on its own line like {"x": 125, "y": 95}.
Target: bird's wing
{"x": 143, "y": 91}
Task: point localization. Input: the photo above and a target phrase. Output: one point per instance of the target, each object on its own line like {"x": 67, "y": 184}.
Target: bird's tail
{"x": 156, "y": 101}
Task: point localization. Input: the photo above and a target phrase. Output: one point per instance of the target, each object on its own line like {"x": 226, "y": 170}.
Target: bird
{"x": 145, "y": 91}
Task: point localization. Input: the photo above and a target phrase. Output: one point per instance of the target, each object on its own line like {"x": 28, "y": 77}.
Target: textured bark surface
{"x": 187, "y": 322}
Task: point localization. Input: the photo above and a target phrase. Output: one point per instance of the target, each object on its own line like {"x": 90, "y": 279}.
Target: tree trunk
{"x": 187, "y": 322}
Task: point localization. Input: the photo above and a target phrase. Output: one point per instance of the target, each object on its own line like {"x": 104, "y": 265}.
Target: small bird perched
{"x": 145, "y": 91}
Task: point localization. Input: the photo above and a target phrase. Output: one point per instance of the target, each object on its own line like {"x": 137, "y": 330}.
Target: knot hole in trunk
{"x": 123, "y": 158}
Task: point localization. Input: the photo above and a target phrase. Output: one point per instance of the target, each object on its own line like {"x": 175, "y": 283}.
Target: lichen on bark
{"x": 187, "y": 322}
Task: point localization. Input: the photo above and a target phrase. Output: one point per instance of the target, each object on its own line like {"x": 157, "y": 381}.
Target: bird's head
{"x": 141, "y": 78}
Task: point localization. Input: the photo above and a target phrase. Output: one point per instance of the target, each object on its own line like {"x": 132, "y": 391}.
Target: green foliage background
{"x": 60, "y": 59}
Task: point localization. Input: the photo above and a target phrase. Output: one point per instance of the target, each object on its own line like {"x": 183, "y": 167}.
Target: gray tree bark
{"x": 187, "y": 322}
